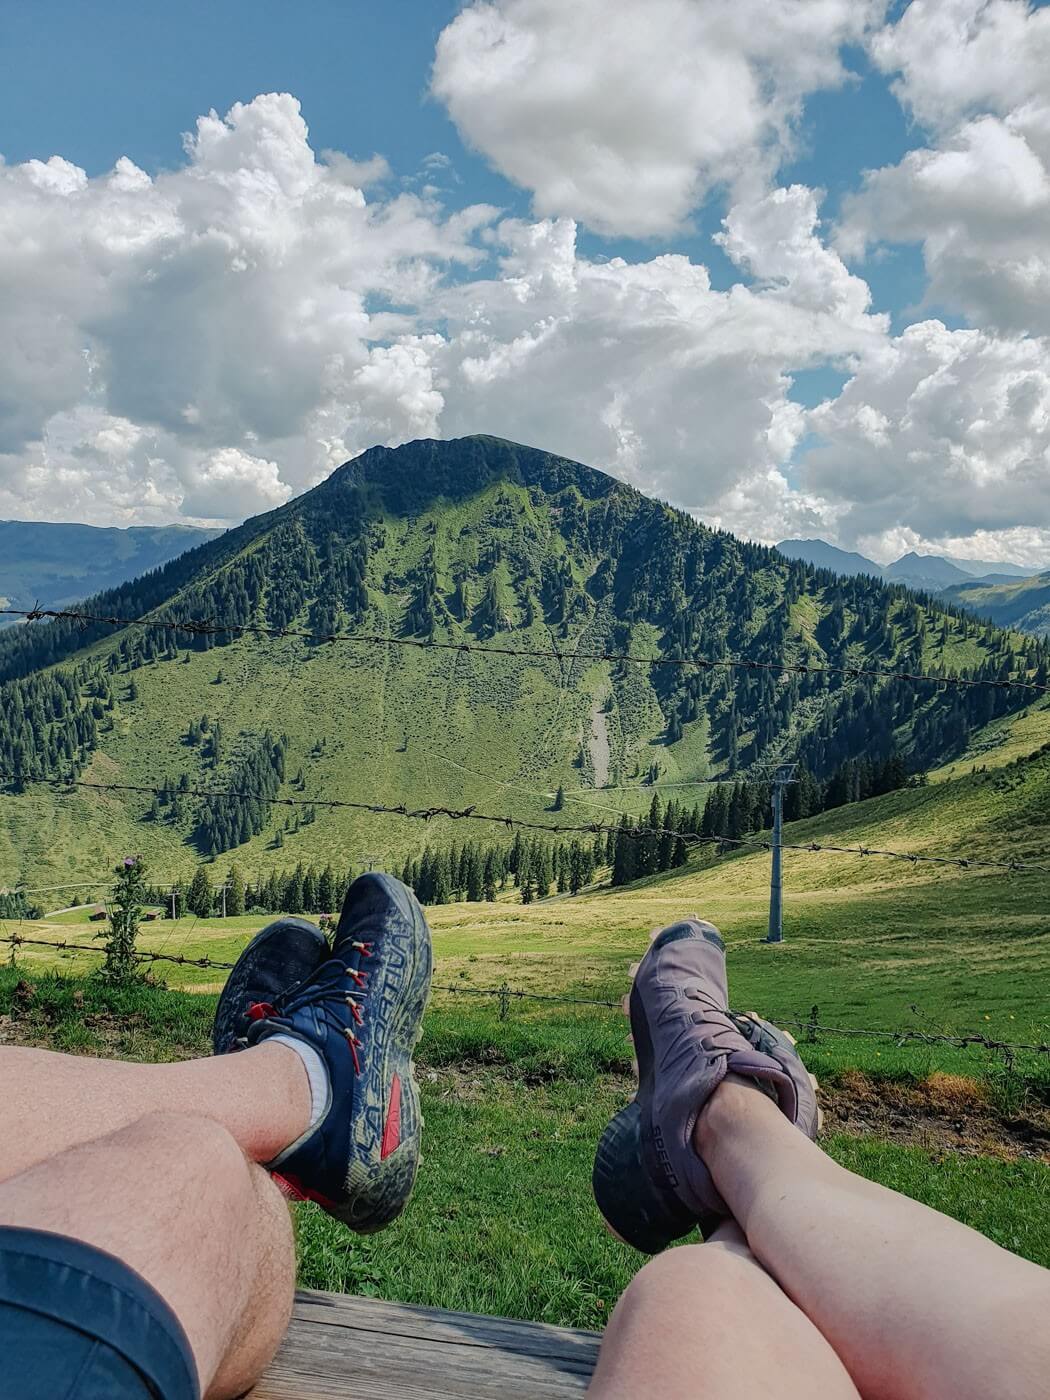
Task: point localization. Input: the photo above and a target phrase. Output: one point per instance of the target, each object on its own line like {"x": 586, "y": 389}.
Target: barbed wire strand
{"x": 813, "y": 1027}
{"x": 203, "y": 628}
{"x": 143, "y": 955}
{"x": 471, "y": 813}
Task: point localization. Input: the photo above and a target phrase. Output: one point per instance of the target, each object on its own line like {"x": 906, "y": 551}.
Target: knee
{"x": 187, "y": 1142}
{"x": 723, "y": 1279}
{"x": 688, "y": 1263}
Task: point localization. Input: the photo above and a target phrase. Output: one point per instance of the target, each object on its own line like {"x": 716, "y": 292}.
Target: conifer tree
{"x": 199, "y": 897}
{"x": 236, "y": 891}
{"x": 326, "y": 896}
{"x": 624, "y": 862}
{"x": 473, "y": 884}
{"x": 489, "y": 877}
{"x": 442, "y": 892}
{"x": 292, "y": 895}
{"x": 310, "y": 905}
{"x": 577, "y": 868}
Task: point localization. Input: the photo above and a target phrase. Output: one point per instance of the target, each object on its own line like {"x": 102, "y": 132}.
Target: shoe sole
{"x": 379, "y": 1187}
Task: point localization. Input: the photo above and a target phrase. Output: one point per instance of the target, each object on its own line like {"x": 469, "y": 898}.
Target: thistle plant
{"x": 129, "y": 895}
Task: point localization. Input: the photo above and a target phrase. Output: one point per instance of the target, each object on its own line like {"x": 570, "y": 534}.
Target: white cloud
{"x": 979, "y": 204}
{"x": 977, "y": 74}
{"x": 226, "y": 305}
{"x": 205, "y": 343}
{"x": 952, "y": 58}
{"x": 643, "y": 368}
{"x": 624, "y": 116}
{"x": 230, "y": 473}
{"x": 940, "y": 435}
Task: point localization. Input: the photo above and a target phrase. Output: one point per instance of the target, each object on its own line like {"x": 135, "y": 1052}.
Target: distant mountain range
{"x": 1021, "y": 603}
{"x": 930, "y": 573}
{"x": 55, "y": 565}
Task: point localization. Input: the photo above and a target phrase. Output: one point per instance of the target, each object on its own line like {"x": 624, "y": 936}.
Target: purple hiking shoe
{"x": 649, "y": 1183}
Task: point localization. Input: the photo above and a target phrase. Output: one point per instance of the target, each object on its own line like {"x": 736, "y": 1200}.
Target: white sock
{"x": 316, "y": 1073}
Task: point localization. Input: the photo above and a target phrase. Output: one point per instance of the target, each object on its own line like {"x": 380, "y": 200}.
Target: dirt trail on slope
{"x": 598, "y": 743}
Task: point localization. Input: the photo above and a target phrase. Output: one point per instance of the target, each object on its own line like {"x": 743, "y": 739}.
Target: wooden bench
{"x": 345, "y": 1348}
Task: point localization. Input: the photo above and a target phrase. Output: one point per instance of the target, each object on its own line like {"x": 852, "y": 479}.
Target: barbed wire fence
{"x": 512, "y": 823}
{"x": 811, "y": 1026}
{"x": 207, "y": 628}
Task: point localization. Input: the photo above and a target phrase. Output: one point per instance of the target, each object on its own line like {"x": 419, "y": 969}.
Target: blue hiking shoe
{"x": 362, "y": 1011}
{"x": 284, "y": 954}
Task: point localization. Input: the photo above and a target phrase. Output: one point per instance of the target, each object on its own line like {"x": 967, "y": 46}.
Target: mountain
{"x": 989, "y": 568}
{"x": 924, "y": 572}
{"x": 1020, "y": 603}
{"x": 475, "y": 541}
{"x": 826, "y": 556}
{"x": 54, "y": 565}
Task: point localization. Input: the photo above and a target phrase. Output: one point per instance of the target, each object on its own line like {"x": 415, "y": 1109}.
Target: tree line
{"x": 658, "y": 842}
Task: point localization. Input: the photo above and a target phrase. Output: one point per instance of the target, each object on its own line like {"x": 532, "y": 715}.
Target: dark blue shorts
{"x": 77, "y": 1324}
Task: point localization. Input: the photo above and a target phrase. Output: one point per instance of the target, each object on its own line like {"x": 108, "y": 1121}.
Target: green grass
{"x": 870, "y": 942}
{"x": 503, "y": 1220}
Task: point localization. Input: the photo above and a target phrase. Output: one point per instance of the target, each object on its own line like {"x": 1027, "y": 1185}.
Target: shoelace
{"x": 325, "y": 996}
{"x": 716, "y": 1031}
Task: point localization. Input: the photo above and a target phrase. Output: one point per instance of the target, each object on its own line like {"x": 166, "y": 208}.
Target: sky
{"x": 784, "y": 263}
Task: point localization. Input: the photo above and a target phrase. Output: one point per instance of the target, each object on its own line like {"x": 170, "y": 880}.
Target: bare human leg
{"x": 708, "y": 1321}
{"x": 53, "y": 1102}
{"x": 175, "y": 1198}
{"x": 914, "y": 1303}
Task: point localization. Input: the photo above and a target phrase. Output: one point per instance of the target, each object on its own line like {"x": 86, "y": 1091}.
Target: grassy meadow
{"x": 503, "y": 1220}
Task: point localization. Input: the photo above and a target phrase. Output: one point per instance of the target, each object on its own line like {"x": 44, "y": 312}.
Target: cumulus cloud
{"x": 952, "y": 58}
{"x": 644, "y": 368}
{"x": 974, "y": 72}
{"x": 941, "y": 434}
{"x": 206, "y": 343}
{"x": 228, "y": 304}
{"x": 625, "y": 116}
{"x": 230, "y": 473}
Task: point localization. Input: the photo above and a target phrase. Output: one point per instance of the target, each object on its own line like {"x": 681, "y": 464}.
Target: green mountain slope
{"x": 489, "y": 543}
{"x": 53, "y": 565}
{"x": 1024, "y": 604}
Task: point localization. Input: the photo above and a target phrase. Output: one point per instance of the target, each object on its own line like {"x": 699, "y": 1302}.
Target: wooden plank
{"x": 345, "y": 1348}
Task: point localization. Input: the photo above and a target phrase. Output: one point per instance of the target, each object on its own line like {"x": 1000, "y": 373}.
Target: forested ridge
{"x": 484, "y": 541}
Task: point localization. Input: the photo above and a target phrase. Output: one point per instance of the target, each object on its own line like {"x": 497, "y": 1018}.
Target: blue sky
{"x": 93, "y": 83}
{"x": 685, "y": 272}
{"x": 96, "y": 83}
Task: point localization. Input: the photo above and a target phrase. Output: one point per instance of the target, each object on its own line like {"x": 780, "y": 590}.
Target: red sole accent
{"x": 292, "y": 1189}
{"x": 392, "y": 1131}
